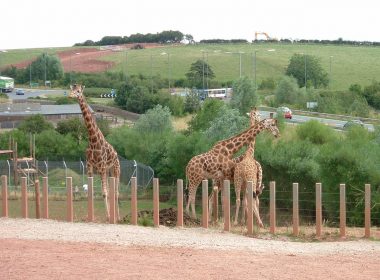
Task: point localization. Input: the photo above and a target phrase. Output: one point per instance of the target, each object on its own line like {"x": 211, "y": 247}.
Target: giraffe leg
{"x": 116, "y": 174}
{"x": 105, "y": 193}
{"x": 256, "y": 207}
{"x": 245, "y": 207}
{"x": 237, "y": 192}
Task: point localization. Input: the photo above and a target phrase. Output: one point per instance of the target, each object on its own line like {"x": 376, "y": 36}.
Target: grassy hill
{"x": 349, "y": 64}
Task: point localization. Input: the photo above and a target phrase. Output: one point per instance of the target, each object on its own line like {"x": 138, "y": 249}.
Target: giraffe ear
{"x": 83, "y": 87}
{"x": 71, "y": 87}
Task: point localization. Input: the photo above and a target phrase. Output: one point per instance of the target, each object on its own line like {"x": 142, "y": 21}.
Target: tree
{"x": 73, "y": 126}
{"x": 315, "y": 75}
{"x": 208, "y": 112}
{"x": 156, "y": 120}
{"x": 244, "y": 95}
{"x": 287, "y": 91}
{"x": 200, "y": 74}
{"x": 35, "y": 124}
{"x": 48, "y": 65}
{"x": 192, "y": 103}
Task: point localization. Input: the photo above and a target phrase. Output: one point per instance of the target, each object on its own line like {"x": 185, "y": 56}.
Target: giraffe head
{"x": 271, "y": 126}
{"x": 76, "y": 91}
{"x": 254, "y": 116}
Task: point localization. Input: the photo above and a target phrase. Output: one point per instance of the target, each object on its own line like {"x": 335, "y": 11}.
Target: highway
{"x": 334, "y": 123}
{"x": 34, "y": 93}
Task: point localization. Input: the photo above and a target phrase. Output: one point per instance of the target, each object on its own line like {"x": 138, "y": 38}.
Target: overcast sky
{"x": 58, "y": 23}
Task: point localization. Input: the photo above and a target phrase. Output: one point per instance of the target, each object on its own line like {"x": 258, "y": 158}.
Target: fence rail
{"x": 275, "y": 213}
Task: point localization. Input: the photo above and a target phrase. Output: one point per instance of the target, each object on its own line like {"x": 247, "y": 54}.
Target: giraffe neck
{"x": 235, "y": 143}
{"x": 92, "y": 128}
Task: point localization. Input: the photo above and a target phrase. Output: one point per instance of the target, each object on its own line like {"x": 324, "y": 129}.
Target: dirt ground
{"x": 45, "y": 249}
{"x": 87, "y": 60}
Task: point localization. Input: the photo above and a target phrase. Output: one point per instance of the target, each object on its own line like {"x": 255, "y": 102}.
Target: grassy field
{"x": 349, "y": 64}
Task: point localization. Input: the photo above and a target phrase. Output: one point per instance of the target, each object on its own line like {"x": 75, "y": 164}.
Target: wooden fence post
{"x": 134, "y": 201}
{"x": 180, "y": 203}
{"x": 69, "y": 209}
{"x": 318, "y": 209}
{"x": 4, "y": 195}
{"x": 90, "y": 199}
{"x": 272, "y": 211}
{"x": 250, "y": 207}
{"x": 111, "y": 200}
{"x": 38, "y": 204}
{"x": 205, "y": 203}
{"x": 342, "y": 206}
{"x": 45, "y": 198}
{"x": 367, "y": 215}
{"x": 296, "y": 220}
{"x": 24, "y": 198}
{"x": 156, "y": 202}
{"x": 215, "y": 205}
{"x": 226, "y": 205}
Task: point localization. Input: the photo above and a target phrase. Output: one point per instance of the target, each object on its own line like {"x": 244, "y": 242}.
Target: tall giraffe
{"x": 218, "y": 163}
{"x": 100, "y": 154}
{"x": 248, "y": 169}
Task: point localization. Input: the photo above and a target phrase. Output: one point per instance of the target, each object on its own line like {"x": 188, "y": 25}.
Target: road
{"x": 34, "y": 93}
{"x": 334, "y": 123}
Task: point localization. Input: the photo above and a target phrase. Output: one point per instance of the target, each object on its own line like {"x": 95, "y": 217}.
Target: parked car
{"x": 353, "y": 123}
{"x": 20, "y": 91}
{"x": 285, "y": 111}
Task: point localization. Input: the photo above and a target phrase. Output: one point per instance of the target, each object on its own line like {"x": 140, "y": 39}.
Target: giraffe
{"x": 218, "y": 163}
{"x": 248, "y": 169}
{"x": 100, "y": 154}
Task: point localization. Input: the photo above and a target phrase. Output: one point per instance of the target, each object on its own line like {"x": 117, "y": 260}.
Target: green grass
{"x": 350, "y": 64}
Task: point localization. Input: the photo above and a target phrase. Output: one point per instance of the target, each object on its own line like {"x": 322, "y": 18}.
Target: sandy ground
{"x": 46, "y": 249}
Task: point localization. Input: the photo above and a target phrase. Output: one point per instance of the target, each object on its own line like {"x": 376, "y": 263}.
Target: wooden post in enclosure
{"x": 69, "y": 207}
{"x": 342, "y": 206}
{"x": 4, "y": 195}
{"x": 318, "y": 209}
{"x": 179, "y": 203}
{"x": 272, "y": 210}
{"x": 296, "y": 220}
{"x": 134, "y": 201}
{"x": 205, "y": 203}
{"x": 367, "y": 215}
{"x": 112, "y": 200}
{"x": 215, "y": 205}
{"x": 250, "y": 208}
{"x": 156, "y": 202}
{"x": 38, "y": 204}
{"x": 45, "y": 198}
{"x": 90, "y": 199}
{"x": 226, "y": 205}
{"x": 24, "y": 198}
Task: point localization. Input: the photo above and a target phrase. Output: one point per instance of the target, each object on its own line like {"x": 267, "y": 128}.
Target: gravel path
{"x": 47, "y": 249}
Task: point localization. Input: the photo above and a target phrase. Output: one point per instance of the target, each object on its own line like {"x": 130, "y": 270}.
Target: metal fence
{"x": 57, "y": 171}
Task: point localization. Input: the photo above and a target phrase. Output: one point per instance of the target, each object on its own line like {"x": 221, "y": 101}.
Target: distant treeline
{"x": 339, "y": 41}
{"x": 165, "y": 37}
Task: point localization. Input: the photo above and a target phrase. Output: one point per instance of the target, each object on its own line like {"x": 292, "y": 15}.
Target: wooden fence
{"x": 205, "y": 206}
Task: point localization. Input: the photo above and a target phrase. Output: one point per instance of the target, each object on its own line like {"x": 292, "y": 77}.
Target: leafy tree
{"x": 200, "y": 74}
{"x": 192, "y": 102}
{"x": 48, "y": 64}
{"x": 35, "y": 124}
{"x": 73, "y": 126}
{"x": 372, "y": 94}
{"x": 156, "y": 120}
{"x": 244, "y": 96}
{"x": 314, "y": 71}
{"x": 208, "y": 112}
{"x": 287, "y": 91}
{"x": 228, "y": 123}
